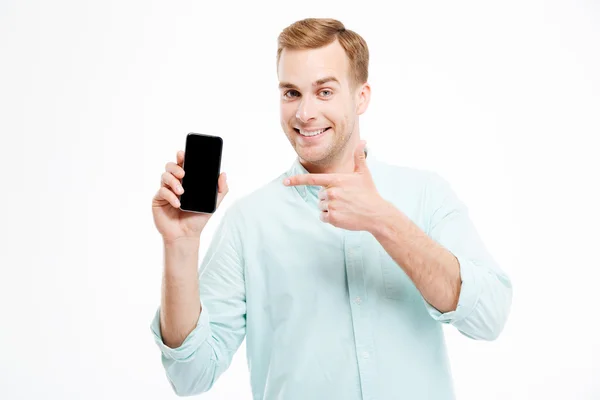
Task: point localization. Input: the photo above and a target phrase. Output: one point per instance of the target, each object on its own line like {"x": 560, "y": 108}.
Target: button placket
{"x": 363, "y": 335}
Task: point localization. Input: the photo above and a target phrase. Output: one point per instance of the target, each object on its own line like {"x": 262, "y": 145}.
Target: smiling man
{"x": 341, "y": 272}
{"x": 322, "y": 94}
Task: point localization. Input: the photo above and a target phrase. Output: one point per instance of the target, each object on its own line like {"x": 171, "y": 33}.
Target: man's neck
{"x": 346, "y": 166}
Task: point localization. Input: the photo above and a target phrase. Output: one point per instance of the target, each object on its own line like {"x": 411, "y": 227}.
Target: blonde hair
{"x": 312, "y": 33}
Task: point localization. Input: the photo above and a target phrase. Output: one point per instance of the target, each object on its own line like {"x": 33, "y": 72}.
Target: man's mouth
{"x": 312, "y": 132}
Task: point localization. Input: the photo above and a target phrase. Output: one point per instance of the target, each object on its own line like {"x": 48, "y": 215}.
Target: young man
{"x": 340, "y": 272}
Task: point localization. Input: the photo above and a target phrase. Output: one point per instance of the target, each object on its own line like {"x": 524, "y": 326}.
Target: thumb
{"x": 360, "y": 161}
{"x": 223, "y": 188}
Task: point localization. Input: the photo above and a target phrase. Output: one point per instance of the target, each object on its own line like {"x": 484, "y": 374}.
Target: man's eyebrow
{"x": 287, "y": 85}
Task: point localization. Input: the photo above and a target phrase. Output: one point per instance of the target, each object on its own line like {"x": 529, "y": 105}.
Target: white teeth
{"x": 311, "y": 133}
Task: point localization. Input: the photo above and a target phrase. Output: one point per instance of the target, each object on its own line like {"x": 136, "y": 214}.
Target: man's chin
{"x": 314, "y": 156}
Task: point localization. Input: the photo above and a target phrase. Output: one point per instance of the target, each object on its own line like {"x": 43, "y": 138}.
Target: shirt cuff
{"x": 191, "y": 343}
{"x": 470, "y": 290}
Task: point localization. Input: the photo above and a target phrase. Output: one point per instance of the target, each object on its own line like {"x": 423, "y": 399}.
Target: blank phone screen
{"x": 202, "y": 166}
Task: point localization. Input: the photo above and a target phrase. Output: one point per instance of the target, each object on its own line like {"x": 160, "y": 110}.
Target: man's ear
{"x": 364, "y": 97}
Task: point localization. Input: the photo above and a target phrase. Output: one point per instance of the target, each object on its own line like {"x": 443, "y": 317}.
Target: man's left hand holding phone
{"x": 191, "y": 190}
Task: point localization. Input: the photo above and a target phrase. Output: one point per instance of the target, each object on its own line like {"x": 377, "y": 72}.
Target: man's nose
{"x": 306, "y": 110}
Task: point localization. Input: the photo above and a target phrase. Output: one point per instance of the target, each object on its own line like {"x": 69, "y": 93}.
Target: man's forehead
{"x": 313, "y": 66}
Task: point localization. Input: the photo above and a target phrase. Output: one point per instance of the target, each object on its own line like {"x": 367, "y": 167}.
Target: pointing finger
{"x": 312, "y": 179}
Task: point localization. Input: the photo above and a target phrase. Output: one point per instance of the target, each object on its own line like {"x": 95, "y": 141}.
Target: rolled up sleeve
{"x": 486, "y": 290}
{"x": 191, "y": 343}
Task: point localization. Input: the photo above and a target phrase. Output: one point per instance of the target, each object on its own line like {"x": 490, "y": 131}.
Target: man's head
{"x": 322, "y": 70}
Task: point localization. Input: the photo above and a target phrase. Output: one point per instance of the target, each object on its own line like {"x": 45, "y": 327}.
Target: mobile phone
{"x": 202, "y": 166}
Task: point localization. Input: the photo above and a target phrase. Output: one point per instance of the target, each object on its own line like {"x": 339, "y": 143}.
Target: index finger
{"x": 311, "y": 179}
{"x": 180, "y": 155}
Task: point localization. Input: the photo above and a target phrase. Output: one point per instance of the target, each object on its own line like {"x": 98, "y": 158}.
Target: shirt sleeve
{"x": 194, "y": 366}
{"x": 486, "y": 290}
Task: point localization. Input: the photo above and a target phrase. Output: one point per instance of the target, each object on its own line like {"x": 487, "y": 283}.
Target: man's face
{"x": 315, "y": 94}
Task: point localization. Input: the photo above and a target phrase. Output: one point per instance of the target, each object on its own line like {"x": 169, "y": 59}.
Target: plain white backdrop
{"x": 501, "y": 98}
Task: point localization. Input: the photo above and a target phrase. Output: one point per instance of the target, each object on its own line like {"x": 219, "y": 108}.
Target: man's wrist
{"x": 388, "y": 220}
{"x": 183, "y": 241}
{"x": 181, "y": 250}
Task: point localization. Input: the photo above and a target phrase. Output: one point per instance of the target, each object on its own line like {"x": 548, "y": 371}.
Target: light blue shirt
{"x": 326, "y": 312}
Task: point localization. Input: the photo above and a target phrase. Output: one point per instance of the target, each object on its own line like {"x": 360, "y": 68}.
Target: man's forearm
{"x": 434, "y": 270}
{"x": 180, "y": 300}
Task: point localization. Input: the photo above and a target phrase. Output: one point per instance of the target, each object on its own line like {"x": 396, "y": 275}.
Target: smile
{"x": 312, "y": 133}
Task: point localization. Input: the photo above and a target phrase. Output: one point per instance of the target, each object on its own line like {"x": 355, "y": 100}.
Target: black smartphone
{"x": 202, "y": 166}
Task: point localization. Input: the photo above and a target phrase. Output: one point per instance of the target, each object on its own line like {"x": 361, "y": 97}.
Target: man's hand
{"x": 347, "y": 200}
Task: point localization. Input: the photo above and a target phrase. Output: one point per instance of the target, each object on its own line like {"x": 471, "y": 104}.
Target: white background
{"x": 501, "y": 98}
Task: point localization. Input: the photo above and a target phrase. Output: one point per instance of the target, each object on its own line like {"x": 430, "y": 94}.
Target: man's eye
{"x": 328, "y": 91}
{"x": 290, "y": 93}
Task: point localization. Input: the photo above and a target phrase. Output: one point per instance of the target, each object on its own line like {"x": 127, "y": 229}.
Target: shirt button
{"x": 365, "y": 354}
{"x": 358, "y": 300}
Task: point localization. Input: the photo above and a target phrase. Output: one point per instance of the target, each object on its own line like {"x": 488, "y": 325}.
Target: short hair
{"x": 312, "y": 33}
